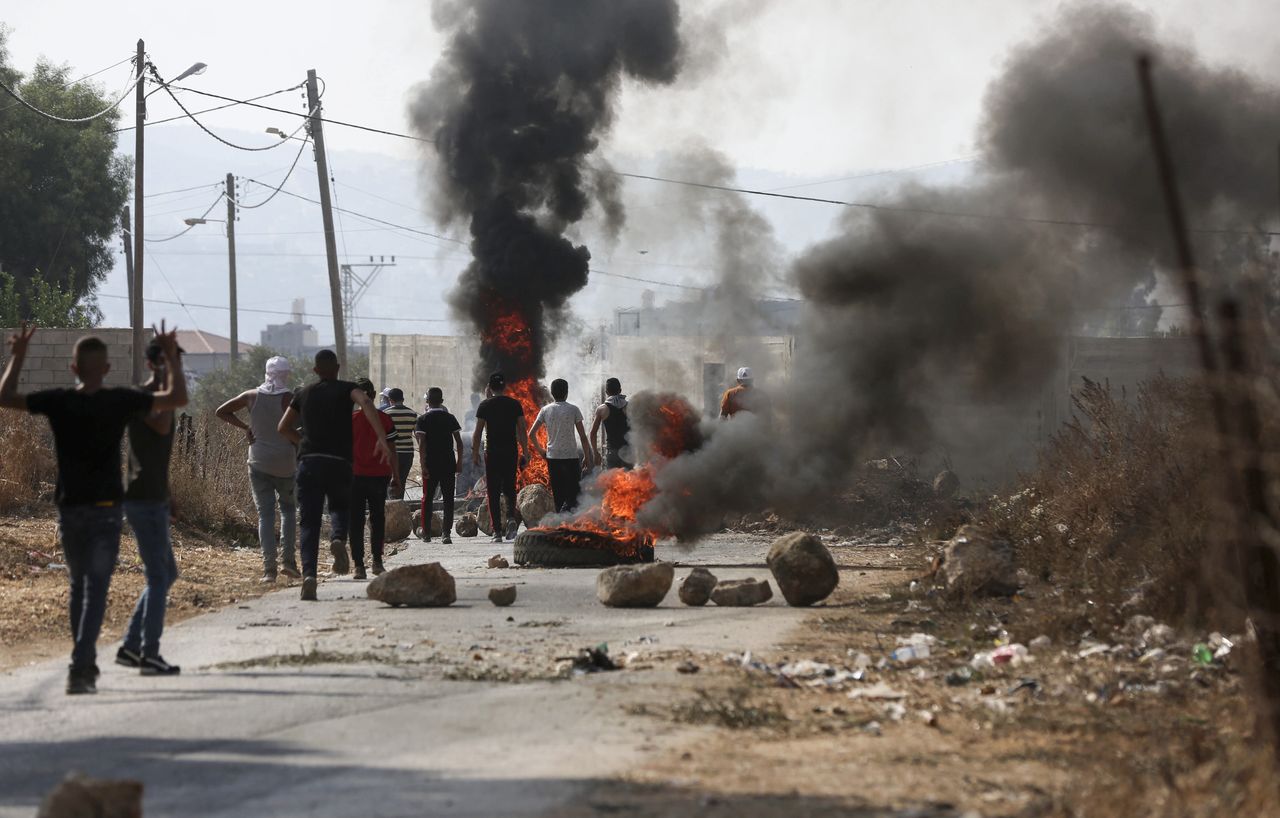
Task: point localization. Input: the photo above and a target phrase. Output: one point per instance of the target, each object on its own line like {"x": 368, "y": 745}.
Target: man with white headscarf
{"x": 272, "y": 462}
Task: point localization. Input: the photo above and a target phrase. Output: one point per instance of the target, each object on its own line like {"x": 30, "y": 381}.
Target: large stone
{"x": 467, "y": 525}
{"x": 741, "y": 593}
{"x": 803, "y": 568}
{"x": 437, "y": 523}
{"x": 975, "y": 563}
{"x": 534, "y": 502}
{"x": 945, "y": 484}
{"x": 502, "y": 595}
{"x": 696, "y": 588}
{"x": 483, "y": 521}
{"x": 415, "y": 586}
{"x": 635, "y": 586}
{"x": 79, "y": 796}
{"x": 399, "y": 521}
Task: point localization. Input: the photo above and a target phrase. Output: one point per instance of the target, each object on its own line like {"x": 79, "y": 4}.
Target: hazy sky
{"x": 791, "y": 92}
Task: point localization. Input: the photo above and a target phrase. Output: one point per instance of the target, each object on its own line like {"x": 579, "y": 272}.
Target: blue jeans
{"x": 150, "y": 522}
{"x": 90, "y": 545}
{"x": 265, "y": 491}
{"x": 318, "y": 479}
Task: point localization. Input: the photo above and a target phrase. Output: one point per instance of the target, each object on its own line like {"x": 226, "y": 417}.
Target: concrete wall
{"x": 416, "y": 362}
{"x": 49, "y": 356}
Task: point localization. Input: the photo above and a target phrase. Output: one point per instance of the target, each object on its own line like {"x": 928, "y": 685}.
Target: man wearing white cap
{"x": 739, "y": 398}
{"x": 272, "y": 461}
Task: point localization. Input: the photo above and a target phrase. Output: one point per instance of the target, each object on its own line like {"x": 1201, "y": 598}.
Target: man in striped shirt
{"x": 404, "y": 419}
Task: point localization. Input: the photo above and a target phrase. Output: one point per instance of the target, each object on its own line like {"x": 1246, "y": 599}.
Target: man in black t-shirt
{"x": 88, "y": 422}
{"x": 503, "y": 417}
{"x": 440, "y": 454}
{"x": 318, "y": 421}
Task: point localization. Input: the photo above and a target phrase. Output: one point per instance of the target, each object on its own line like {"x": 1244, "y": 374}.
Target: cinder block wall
{"x": 48, "y": 359}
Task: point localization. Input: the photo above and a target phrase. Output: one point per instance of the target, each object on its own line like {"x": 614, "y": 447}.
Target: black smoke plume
{"x": 516, "y": 108}
{"x": 946, "y": 304}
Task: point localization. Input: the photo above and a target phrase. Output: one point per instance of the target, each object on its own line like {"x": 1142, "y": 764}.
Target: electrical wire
{"x": 214, "y": 108}
{"x": 885, "y": 172}
{"x": 227, "y": 308}
{"x": 370, "y": 218}
{"x": 82, "y": 79}
{"x": 73, "y": 120}
{"x": 181, "y": 190}
{"x": 172, "y": 289}
{"x": 325, "y": 120}
{"x": 190, "y": 226}
{"x": 202, "y": 127}
{"x": 280, "y": 186}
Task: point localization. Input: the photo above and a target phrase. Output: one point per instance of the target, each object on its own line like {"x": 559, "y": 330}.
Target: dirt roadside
{"x": 33, "y": 595}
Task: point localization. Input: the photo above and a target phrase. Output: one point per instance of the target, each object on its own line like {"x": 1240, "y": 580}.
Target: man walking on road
{"x": 404, "y": 419}
{"x": 564, "y": 464}
{"x": 88, "y": 422}
{"x": 739, "y": 398}
{"x": 439, "y": 436}
{"x": 272, "y": 461}
{"x": 506, "y": 451}
{"x": 318, "y": 421}
{"x": 146, "y": 506}
{"x": 370, "y": 479}
{"x": 612, "y": 415}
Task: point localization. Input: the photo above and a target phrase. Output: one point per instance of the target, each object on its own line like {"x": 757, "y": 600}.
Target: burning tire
{"x": 557, "y": 548}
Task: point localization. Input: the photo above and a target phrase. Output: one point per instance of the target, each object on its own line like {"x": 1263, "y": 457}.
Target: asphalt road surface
{"x": 346, "y": 707}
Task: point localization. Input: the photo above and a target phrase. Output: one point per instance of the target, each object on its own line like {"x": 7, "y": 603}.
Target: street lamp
{"x": 194, "y": 222}
{"x": 194, "y": 70}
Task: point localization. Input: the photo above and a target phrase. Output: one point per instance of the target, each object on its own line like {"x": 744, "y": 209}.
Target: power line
{"x": 326, "y": 120}
{"x": 214, "y": 108}
{"x": 202, "y": 127}
{"x": 278, "y": 187}
{"x": 885, "y": 172}
{"x": 72, "y": 120}
{"x": 227, "y": 308}
{"x": 82, "y": 79}
{"x": 194, "y": 222}
{"x": 182, "y": 190}
{"x": 370, "y": 218}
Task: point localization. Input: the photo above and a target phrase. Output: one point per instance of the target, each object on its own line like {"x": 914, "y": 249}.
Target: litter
{"x": 877, "y": 692}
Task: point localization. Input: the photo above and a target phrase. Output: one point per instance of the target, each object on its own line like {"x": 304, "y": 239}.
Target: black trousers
{"x": 500, "y": 477}
{"x": 442, "y": 476}
{"x": 368, "y": 494}
{"x": 318, "y": 479}
{"x": 566, "y": 482}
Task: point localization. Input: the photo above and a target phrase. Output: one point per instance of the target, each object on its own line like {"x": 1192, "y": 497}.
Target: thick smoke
{"x": 516, "y": 107}
{"x": 944, "y": 299}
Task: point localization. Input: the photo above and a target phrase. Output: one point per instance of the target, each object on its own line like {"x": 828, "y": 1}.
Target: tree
{"x": 220, "y": 385}
{"x": 62, "y": 187}
{"x": 48, "y": 305}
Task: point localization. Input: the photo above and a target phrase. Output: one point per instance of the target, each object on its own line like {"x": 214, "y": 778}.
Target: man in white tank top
{"x": 272, "y": 461}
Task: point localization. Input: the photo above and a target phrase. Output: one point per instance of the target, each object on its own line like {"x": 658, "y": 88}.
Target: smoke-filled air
{"x": 962, "y": 296}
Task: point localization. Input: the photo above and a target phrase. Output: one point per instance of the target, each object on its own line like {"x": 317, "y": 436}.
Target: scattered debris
{"x": 687, "y": 666}
{"x": 416, "y": 586}
{"x": 498, "y": 561}
{"x": 502, "y": 595}
{"x": 877, "y": 692}
{"x": 590, "y": 660}
{"x": 78, "y": 795}
{"x": 741, "y": 592}
{"x": 467, "y": 525}
{"x": 975, "y": 563}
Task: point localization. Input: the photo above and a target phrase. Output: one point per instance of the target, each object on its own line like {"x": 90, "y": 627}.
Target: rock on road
{"x": 346, "y": 707}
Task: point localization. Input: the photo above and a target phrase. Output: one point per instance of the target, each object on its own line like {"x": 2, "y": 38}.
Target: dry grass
{"x": 209, "y": 480}
{"x": 1122, "y": 511}
{"x": 27, "y": 468}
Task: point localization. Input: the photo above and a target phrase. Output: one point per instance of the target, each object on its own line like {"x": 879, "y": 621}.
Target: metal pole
{"x": 326, "y": 211}
{"x": 136, "y": 315}
{"x": 128, "y": 256}
{"x": 231, "y": 259}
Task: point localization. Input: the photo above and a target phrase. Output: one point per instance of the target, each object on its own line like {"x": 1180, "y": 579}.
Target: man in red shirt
{"x": 370, "y": 477}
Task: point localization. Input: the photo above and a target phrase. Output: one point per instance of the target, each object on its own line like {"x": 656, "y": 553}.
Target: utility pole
{"x": 231, "y": 258}
{"x": 354, "y": 286}
{"x": 136, "y": 315}
{"x": 127, "y": 236}
{"x": 326, "y": 211}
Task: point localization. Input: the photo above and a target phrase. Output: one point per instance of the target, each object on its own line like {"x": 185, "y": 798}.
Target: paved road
{"x": 348, "y": 708}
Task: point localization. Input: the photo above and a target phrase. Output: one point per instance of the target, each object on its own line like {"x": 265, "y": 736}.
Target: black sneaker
{"x": 446, "y": 540}
{"x": 377, "y": 566}
{"x": 308, "y": 589}
{"x": 156, "y": 666}
{"x": 341, "y": 562}
{"x": 359, "y": 573}
{"x": 290, "y": 570}
{"x": 512, "y": 528}
{"x": 82, "y": 680}
{"x": 128, "y": 658}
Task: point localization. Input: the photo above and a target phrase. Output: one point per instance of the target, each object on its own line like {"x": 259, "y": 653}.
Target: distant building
{"x": 295, "y": 338}
{"x": 205, "y": 351}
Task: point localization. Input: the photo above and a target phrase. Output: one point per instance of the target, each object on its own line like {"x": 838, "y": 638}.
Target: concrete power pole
{"x": 136, "y": 315}
{"x": 127, "y": 237}
{"x": 326, "y": 211}
{"x": 231, "y": 258}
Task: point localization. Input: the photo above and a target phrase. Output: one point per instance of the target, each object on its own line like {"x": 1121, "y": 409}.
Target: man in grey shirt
{"x": 272, "y": 461}
{"x": 564, "y": 464}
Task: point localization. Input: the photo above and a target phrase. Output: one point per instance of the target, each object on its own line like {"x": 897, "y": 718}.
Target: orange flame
{"x": 508, "y": 333}
{"x": 529, "y": 392}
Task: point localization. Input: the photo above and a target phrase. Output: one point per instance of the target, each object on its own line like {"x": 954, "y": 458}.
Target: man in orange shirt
{"x": 739, "y": 398}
